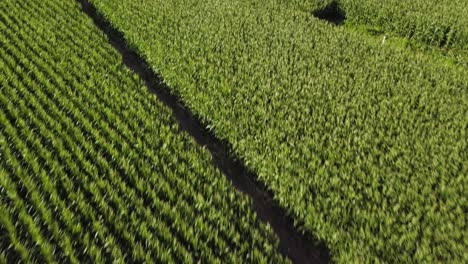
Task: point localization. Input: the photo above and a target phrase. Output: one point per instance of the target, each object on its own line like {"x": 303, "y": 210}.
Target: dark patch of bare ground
{"x": 299, "y": 247}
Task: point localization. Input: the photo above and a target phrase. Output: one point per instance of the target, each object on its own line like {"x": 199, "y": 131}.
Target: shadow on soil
{"x": 331, "y": 13}
{"x": 300, "y": 248}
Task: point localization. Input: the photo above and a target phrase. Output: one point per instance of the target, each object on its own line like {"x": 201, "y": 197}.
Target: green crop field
{"x": 92, "y": 169}
{"x": 359, "y": 137}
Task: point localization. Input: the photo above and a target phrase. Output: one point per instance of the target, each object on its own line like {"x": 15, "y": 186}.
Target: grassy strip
{"x": 435, "y": 23}
{"x": 94, "y": 167}
{"x": 455, "y": 57}
{"x": 365, "y": 144}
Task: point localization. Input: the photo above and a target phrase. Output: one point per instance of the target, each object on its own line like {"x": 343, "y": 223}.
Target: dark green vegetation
{"x": 365, "y": 144}
{"x": 92, "y": 168}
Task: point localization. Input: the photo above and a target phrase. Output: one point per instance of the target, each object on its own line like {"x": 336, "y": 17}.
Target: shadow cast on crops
{"x": 332, "y": 13}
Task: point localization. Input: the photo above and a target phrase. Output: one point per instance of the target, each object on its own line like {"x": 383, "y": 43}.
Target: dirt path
{"x": 293, "y": 244}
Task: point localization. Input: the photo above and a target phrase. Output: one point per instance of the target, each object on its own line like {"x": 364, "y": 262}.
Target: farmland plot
{"x": 93, "y": 169}
{"x": 363, "y": 143}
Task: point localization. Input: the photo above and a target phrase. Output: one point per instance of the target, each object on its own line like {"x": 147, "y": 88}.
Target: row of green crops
{"x": 93, "y": 168}
{"x": 364, "y": 144}
{"x": 434, "y": 22}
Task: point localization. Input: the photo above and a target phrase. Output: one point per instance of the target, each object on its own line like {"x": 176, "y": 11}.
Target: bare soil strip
{"x": 299, "y": 247}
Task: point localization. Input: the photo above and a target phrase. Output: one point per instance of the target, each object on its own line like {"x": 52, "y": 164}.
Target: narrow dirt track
{"x": 298, "y": 247}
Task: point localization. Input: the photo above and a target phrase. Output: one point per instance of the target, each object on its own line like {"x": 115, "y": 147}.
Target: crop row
{"x": 363, "y": 143}
{"x": 93, "y": 168}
